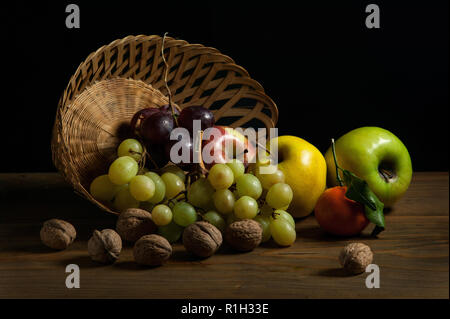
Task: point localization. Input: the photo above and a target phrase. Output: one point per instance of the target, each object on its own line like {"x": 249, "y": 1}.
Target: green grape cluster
{"x": 126, "y": 185}
{"x": 229, "y": 193}
{"x": 262, "y": 197}
{"x": 226, "y": 194}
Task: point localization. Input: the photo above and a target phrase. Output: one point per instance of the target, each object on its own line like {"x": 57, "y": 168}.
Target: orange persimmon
{"x": 339, "y": 215}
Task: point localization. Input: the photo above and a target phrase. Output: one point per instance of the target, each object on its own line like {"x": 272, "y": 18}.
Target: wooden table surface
{"x": 412, "y": 253}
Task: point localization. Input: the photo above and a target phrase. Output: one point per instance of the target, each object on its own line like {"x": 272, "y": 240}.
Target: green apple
{"x": 377, "y": 156}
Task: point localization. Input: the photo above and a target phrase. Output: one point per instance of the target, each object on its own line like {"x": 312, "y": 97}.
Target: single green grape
{"x": 265, "y": 224}
{"x": 249, "y": 185}
{"x": 237, "y": 167}
{"x": 282, "y": 214}
{"x": 184, "y": 214}
{"x": 174, "y": 184}
{"x": 172, "y": 232}
{"x": 171, "y": 168}
{"x": 130, "y": 147}
{"x": 102, "y": 189}
{"x": 224, "y": 201}
{"x": 160, "y": 188}
{"x": 124, "y": 200}
{"x": 200, "y": 194}
{"x": 282, "y": 232}
{"x": 220, "y": 176}
{"x": 267, "y": 180}
{"x": 279, "y": 195}
{"x": 142, "y": 187}
{"x": 122, "y": 170}
{"x": 216, "y": 219}
{"x": 162, "y": 215}
{"x": 246, "y": 207}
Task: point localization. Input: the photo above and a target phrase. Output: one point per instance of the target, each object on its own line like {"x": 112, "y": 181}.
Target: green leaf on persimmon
{"x": 359, "y": 191}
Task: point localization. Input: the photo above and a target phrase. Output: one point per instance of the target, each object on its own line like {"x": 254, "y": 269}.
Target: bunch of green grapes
{"x": 128, "y": 186}
{"x": 229, "y": 194}
{"x": 225, "y": 195}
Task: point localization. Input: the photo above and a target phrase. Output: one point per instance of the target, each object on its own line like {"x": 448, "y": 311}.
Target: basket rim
{"x": 78, "y": 187}
{"x": 170, "y": 41}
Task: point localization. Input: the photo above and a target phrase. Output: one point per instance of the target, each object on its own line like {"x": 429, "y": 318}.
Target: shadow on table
{"x": 181, "y": 255}
{"x": 37, "y": 248}
{"x": 334, "y": 272}
{"x": 317, "y": 234}
{"x": 83, "y": 261}
{"x": 226, "y": 249}
{"x": 131, "y": 265}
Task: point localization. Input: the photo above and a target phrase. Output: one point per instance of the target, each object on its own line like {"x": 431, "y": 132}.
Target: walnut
{"x": 152, "y": 250}
{"x": 244, "y": 235}
{"x": 134, "y": 223}
{"x": 105, "y": 246}
{"x": 355, "y": 257}
{"x": 57, "y": 234}
{"x": 202, "y": 239}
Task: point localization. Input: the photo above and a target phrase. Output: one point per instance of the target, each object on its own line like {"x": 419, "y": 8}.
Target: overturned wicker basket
{"x": 127, "y": 75}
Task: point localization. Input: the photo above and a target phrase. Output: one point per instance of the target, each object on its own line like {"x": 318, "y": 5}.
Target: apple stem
{"x": 338, "y": 177}
{"x": 165, "y": 79}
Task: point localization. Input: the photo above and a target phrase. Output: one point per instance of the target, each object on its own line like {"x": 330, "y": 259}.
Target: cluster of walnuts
{"x": 200, "y": 238}
{"x": 136, "y": 225}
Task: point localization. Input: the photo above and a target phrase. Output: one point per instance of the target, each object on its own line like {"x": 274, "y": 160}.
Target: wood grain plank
{"x": 412, "y": 253}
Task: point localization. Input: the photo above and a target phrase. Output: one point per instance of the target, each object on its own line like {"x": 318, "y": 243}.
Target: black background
{"x": 324, "y": 69}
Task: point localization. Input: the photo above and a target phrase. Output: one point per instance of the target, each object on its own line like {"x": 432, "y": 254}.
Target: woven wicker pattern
{"x": 92, "y": 110}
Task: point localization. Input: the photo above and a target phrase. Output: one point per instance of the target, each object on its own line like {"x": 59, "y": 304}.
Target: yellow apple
{"x": 305, "y": 171}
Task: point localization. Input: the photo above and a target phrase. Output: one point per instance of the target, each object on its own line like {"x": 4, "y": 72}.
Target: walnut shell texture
{"x": 134, "y": 223}
{"x": 152, "y": 250}
{"x": 202, "y": 239}
{"x": 244, "y": 235}
{"x": 57, "y": 234}
{"x": 105, "y": 246}
{"x": 355, "y": 257}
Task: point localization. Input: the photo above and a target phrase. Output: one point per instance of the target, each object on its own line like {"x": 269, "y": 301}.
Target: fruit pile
{"x": 180, "y": 195}
{"x": 225, "y": 195}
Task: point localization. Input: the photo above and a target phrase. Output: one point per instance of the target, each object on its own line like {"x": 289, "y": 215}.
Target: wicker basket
{"x": 127, "y": 75}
